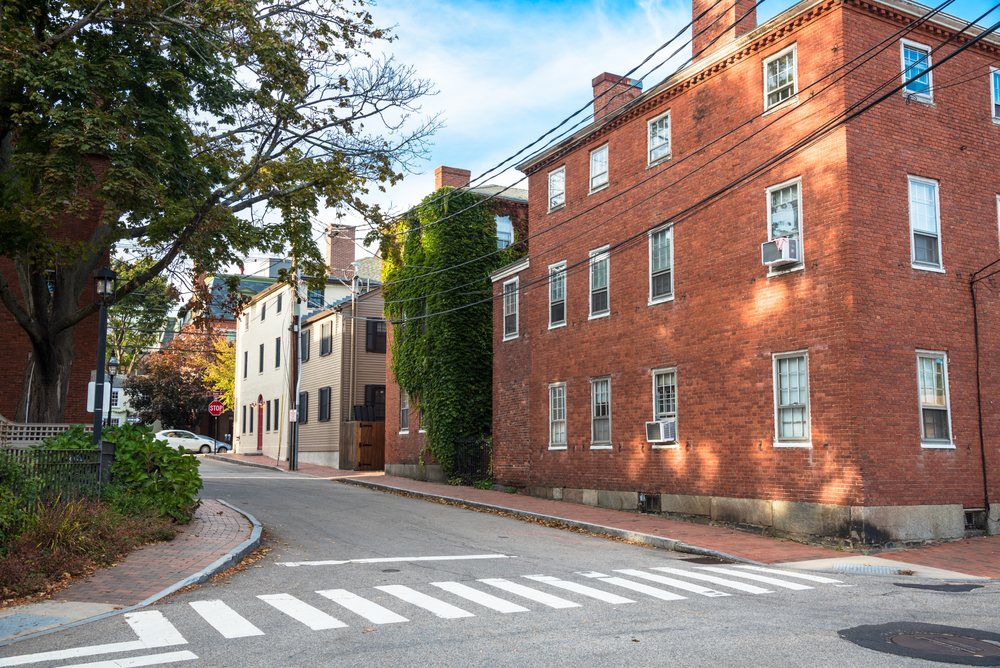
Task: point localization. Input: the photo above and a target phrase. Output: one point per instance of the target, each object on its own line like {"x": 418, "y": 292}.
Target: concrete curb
{"x": 226, "y": 561}
{"x": 634, "y": 536}
{"x": 240, "y": 462}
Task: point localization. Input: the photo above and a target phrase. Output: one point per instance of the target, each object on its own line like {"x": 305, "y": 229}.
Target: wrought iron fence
{"x": 67, "y": 474}
{"x": 473, "y": 459}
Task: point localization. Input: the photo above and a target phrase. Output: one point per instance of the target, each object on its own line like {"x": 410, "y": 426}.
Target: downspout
{"x": 979, "y": 400}
{"x": 27, "y": 399}
{"x": 354, "y": 339}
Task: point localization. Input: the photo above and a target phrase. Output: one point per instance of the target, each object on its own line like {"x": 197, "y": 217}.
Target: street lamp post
{"x": 104, "y": 293}
{"x": 112, "y": 372}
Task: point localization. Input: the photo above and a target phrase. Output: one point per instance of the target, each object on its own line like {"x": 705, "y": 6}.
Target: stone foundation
{"x": 429, "y": 472}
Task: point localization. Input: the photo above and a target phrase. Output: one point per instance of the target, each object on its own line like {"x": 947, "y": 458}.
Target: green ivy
{"x": 445, "y": 360}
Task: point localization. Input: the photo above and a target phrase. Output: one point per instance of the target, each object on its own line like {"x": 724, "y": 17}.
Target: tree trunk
{"x": 50, "y": 382}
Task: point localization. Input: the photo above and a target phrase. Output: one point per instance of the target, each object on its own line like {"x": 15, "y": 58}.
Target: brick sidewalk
{"x": 215, "y": 531}
{"x": 975, "y": 556}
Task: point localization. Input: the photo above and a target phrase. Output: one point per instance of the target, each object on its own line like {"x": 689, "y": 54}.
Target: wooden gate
{"x": 362, "y": 446}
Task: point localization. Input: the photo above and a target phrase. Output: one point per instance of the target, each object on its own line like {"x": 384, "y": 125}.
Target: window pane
{"x": 935, "y": 424}
{"x": 925, "y": 249}
{"x": 916, "y": 62}
{"x": 659, "y": 138}
{"x": 923, "y": 207}
{"x": 557, "y": 188}
{"x": 996, "y": 94}
{"x": 598, "y": 167}
{"x": 785, "y": 212}
{"x": 601, "y": 410}
{"x": 780, "y": 79}
{"x": 599, "y": 301}
{"x": 599, "y": 273}
{"x": 666, "y": 392}
{"x": 557, "y": 284}
{"x": 558, "y": 313}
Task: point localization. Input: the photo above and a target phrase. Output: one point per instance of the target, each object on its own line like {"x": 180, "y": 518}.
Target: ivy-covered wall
{"x": 441, "y": 347}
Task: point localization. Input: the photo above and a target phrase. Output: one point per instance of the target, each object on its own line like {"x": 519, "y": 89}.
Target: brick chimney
{"x": 339, "y": 249}
{"x": 612, "y": 91}
{"x": 451, "y": 177}
{"x": 724, "y": 15}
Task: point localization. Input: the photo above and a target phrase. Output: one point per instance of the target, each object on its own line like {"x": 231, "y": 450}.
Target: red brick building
{"x": 404, "y": 435}
{"x": 835, "y": 391}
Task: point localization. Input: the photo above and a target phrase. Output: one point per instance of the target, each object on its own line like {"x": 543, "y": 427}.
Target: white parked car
{"x": 179, "y": 437}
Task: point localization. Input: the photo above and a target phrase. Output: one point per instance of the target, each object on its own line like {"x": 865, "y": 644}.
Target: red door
{"x": 260, "y": 422}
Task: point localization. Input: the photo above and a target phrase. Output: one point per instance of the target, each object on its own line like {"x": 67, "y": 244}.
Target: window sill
{"x": 660, "y": 300}
{"x": 509, "y": 337}
{"x": 601, "y": 447}
{"x": 791, "y": 444}
{"x": 781, "y": 272}
{"x": 404, "y": 432}
{"x": 603, "y": 186}
{"x": 927, "y": 267}
{"x": 937, "y": 446}
{"x": 596, "y": 316}
{"x": 666, "y": 446}
{"x": 557, "y": 447}
{"x": 421, "y": 431}
{"x": 556, "y": 208}
{"x": 996, "y": 120}
{"x": 558, "y": 325}
{"x": 659, "y": 161}
{"x": 919, "y": 97}
{"x": 784, "y": 104}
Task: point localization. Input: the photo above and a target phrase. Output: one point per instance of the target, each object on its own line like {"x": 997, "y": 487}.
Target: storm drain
{"x": 930, "y": 642}
{"x": 860, "y": 568}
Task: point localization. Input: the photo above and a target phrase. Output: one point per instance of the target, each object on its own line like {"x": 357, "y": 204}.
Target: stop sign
{"x": 216, "y": 408}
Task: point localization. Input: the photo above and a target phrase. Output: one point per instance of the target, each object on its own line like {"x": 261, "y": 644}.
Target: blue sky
{"x": 508, "y": 71}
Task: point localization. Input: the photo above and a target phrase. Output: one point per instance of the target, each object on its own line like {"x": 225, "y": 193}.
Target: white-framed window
{"x": 557, "y": 188}
{"x": 510, "y": 309}
{"x": 114, "y": 422}
{"x": 325, "y": 338}
{"x": 659, "y": 138}
{"x": 599, "y": 168}
{"x": 995, "y": 94}
{"x": 791, "y": 399}
{"x": 404, "y": 411}
{"x": 665, "y": 399}
{"x": 505, "y": 232}
{"x": 780, "y": 78}
{"x": 599, "y": 269}
{"x": 557, "y": 416}
{"x": 246, "y": 362}
{"x": 661, "y": 265}
{"x": 925, "y": 224}
{"x": 935, "y": 405}
{"x": 557, "y": 294}
{"x": 600, "y": 412}
{"x": 784, "y": 217}
{"x": 916, "y": 61}
{"x": 263, "y": 311}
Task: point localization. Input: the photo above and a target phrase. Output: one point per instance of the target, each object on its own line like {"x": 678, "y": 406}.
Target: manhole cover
{"x": 937, "y": 643}
{"x": 951, "y": 589}
{"x": 930, "y": 642}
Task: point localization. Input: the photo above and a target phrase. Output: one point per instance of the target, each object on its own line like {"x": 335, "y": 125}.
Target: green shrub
{"x": 19, "y": 492}
{"x": 162, "y": 477}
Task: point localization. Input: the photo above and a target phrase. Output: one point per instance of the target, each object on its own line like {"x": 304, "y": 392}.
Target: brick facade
{"x": 855, "y": 305}
{"x": 15, "y": 347}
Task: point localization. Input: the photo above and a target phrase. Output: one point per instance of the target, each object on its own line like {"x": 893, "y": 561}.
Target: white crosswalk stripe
{"x": 136, "y": 661}
{"x": 301, "y": 611}
{"x": 686, "y": 586}
{"x": 789, "y": 574}
{"x": 429, "y": 603}
{"x": 373, "y": 612}
{"x": 635, "y": 586}
{"x": 741, "y": 586}
{"x": 482, "y": 598}
{"x": 580, "y": 589}
{"x": 531, "y": 594}
{"x": 225, "y": 620}
{"x": 757, "y": 578}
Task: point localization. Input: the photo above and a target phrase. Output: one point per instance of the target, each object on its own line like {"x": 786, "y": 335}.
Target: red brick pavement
{"x": 215, "y": 531}
{"x": 973, "y": 556}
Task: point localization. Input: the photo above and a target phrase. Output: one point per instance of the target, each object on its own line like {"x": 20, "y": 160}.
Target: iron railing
{"x": 66, "y": 474}
{"x": 473, "y": 459}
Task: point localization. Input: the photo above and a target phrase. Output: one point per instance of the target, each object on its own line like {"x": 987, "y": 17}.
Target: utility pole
{"x": 295, "y": 377}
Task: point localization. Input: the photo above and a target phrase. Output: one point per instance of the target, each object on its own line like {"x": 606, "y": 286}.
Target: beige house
{"x": 343, "y": 366}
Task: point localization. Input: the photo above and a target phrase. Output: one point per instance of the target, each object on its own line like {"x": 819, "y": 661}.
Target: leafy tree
{"x": 135, "y": 323}
{"x": 445, "y": 361}
{"x": 220, "y": 372}
{"x": 170, "y": 386}
{"x": 198, "y": 129}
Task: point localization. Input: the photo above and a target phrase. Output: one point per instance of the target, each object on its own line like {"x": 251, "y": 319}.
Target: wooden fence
{"x": 18, "y": 434}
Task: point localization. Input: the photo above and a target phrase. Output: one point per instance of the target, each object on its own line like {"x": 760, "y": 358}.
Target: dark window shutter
{"x": 371, "y": 331}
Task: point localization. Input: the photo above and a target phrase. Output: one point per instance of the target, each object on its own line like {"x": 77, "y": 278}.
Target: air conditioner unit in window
{"x": 661, "y": 432}
{"x": 779, "y": 252}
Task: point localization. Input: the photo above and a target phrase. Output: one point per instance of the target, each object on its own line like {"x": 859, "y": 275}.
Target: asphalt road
{"x": 433, "y": 612}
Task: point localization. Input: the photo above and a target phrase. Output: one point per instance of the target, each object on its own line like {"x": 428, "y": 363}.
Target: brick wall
{"x": 857, "y": 306}
{"x": 340, "y": 249}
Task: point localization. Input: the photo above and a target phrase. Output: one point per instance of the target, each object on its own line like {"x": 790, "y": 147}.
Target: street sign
{"x": 215, "y": 394}
{"x": 216, "y": 408}
{"x": 293, "y": 415}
